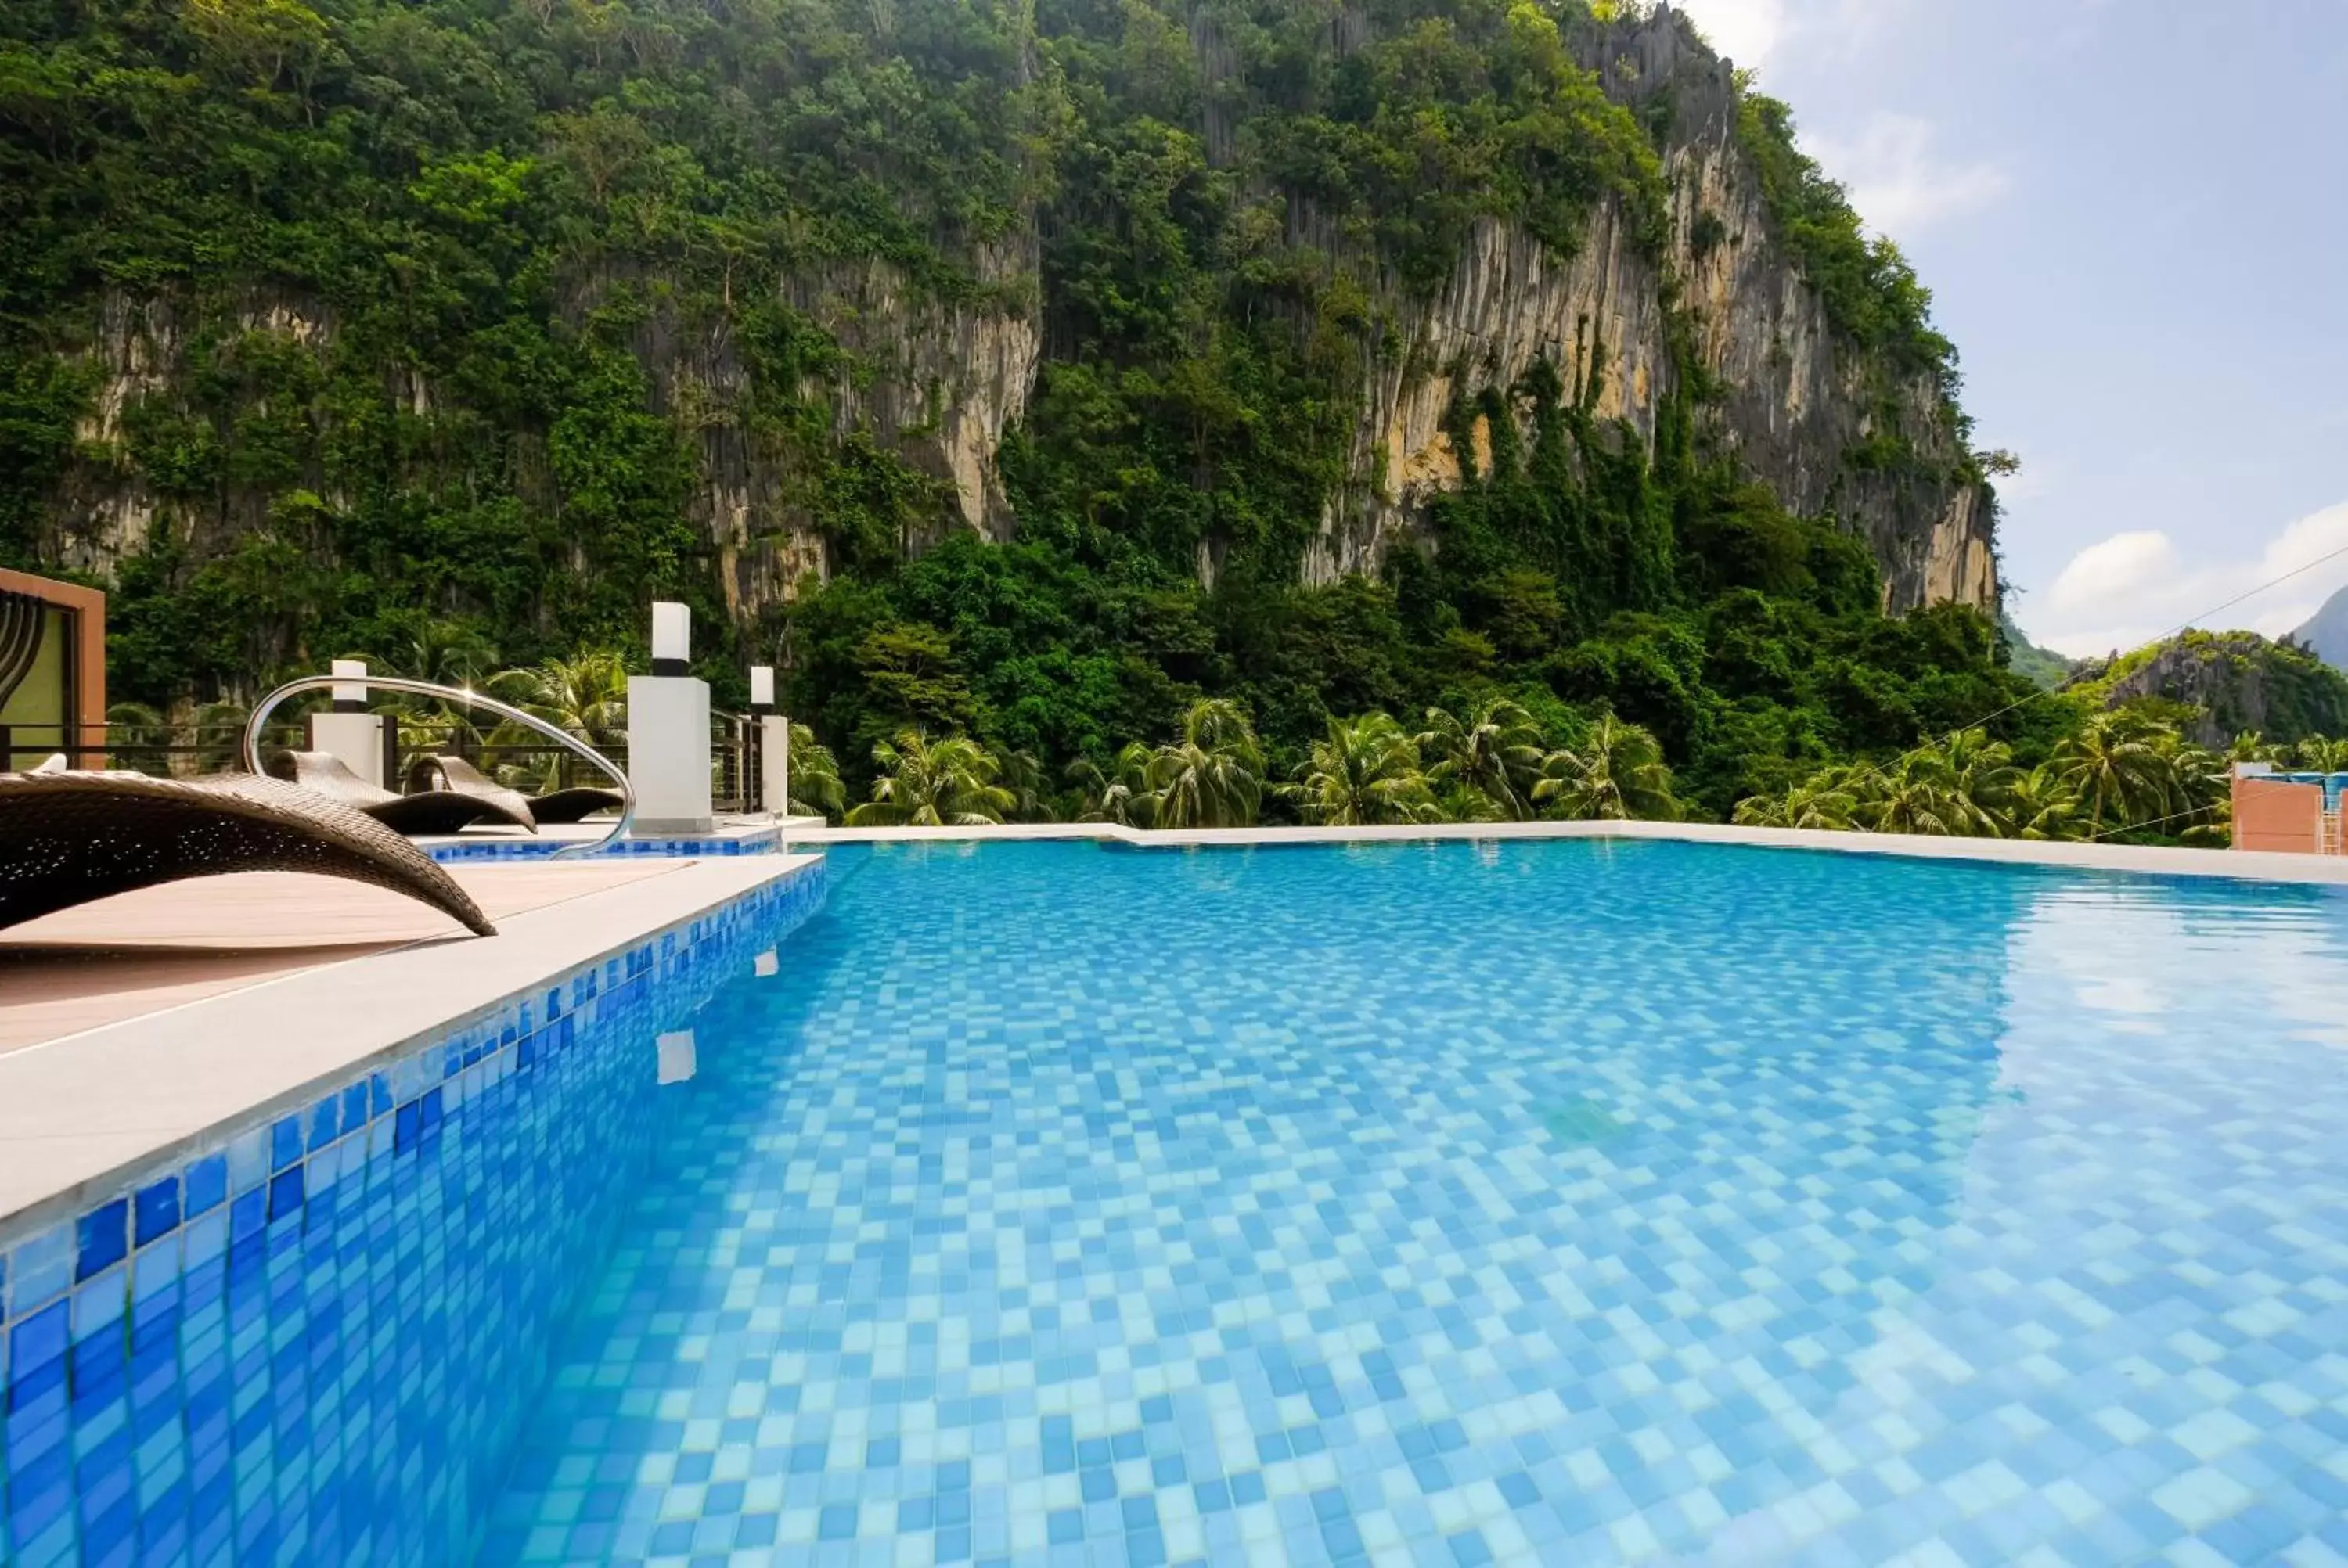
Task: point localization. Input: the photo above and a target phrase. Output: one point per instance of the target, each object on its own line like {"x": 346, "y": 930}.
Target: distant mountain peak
{"x": 2326, "y": 631}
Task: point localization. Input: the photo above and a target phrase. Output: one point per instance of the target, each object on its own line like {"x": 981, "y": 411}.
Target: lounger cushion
{"x": 70, "y": 838}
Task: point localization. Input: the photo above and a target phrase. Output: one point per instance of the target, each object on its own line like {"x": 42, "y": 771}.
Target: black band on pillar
{"x": 343, "y": 705}
{"x": 670, "y": 667}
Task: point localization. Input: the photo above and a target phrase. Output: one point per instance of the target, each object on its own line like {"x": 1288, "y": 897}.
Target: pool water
{"x": 1564, "y": 1202}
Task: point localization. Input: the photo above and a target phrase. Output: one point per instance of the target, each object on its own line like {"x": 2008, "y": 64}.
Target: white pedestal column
{"x": 355, "y": 740}
{"x": 775, "y": 764}
{"x": 668, "y": 754}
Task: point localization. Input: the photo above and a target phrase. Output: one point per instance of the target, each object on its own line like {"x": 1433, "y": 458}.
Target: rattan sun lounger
{"x": 561, "y": 805}
{"x": 68, "y": 838}
{"x": 574, "y": 805}
{"x": 433, "y": 812}
{"x": 455, "y": 775}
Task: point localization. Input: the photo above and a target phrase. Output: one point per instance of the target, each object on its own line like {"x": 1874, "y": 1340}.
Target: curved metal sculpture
{"x": 401, "y": 683}
{"x": 20, "y": 640}
{"x": 68, "y": 838}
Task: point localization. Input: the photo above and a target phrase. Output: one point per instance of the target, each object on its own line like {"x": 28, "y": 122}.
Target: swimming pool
{"x": 1573, "y": 1202}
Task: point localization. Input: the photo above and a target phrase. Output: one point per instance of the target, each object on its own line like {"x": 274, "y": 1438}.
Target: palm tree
{"x": 2201, "y": 789}
{"x": 2249, "y": 746}
{"x": 1365, "y": 773}
{"x": 217, "y": 731}
{"x": 136, "y": 735}
{"x": 1981, "y": 774}
{"x": 1121, "y": 795}
{"x": 816, "y": 789}
{"x": 1916, "y": 793}
{"x": 447, "y": 653}
{"x": 2318, "y": 756}
{"x": 933, "y": 784}
{"x": 1023, "y": 775}
{"x": 1823, "y": 802}
{"x": 585, "y": 695}
{"x": 1497, "y": 753}
{"x": 2040, "y": 805}
{"x": 1456, "y": 801}
{"x": 1616, "y": 773}
{"x": 2117, "y": 768}
{"x": 1213, "y": 776}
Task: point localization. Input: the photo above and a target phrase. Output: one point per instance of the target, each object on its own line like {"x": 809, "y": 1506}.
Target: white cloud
{"x": 1753, "y": 32}
{"x": 2037, "y": 481}
{"x": 1898, "y": 178}
{"x": 1746, "y": 31}
{"x": 1899, "y": 182}
{"x": 2126, "y": 590}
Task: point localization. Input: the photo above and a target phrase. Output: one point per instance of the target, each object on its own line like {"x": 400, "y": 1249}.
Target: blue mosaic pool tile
{"x": 40, "y": 1266}
{"x": 103, "y": 1235}
{"x": 662, "y": 847}
{"x": 1533, "y": 1204}
{"x": 246, "y": 1353}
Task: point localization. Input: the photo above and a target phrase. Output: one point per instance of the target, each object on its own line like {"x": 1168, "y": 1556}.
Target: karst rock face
{"x": 941, "y": 379}
{"x": 2227, "y": 683}
{"x": 1794, "y": 399}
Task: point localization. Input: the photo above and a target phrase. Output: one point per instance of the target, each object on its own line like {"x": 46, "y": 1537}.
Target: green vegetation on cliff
{"x": 352, "y": 326}
{"x": 2228, "y": 682}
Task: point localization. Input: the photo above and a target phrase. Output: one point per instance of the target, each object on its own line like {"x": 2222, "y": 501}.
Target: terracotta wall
{"x": 2272, "y": 816}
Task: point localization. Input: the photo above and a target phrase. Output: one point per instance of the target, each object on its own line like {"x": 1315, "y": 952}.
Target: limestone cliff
{"x": 1796, "y": 402}
{"x": 1715, "y": 317}
{"x": 939, "y": 382}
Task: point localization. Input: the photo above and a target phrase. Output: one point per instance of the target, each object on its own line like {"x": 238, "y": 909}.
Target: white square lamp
{"x": 668, "y": 733}
{"x": 347, "y": 732}
{"x": 774, "y": 743}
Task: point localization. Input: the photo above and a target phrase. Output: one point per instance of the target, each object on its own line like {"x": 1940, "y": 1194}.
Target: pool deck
{"x": 137, "y": 954}
{"x": 132, "y": 1026}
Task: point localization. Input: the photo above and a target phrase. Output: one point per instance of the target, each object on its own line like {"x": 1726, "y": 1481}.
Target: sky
{"x": 2133, "y": 217}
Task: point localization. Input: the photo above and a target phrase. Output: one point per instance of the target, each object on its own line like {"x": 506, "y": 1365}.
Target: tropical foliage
{"x": 1615, "y": 773}
{"x": 1363, "y": 774}
{"x": 1212, "y": 775}
{"x": 2125, "y": 774}
{"x": 815, "y": 787}
{"x": 475, "y": 308}
{"x": 1485, "y": 764}
{"x": 2239, "y": 680}
{"x": 1120, "y": 793}
{"x": 428, "y": 269}
{"x": 948, "y": 783}
{"x": 585, "y": 695}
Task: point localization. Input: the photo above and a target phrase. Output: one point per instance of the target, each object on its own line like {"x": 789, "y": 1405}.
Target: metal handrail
{"x": 262, "y": 709}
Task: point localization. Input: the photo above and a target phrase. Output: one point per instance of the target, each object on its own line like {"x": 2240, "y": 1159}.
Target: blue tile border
{"x": 236, "y": 1352}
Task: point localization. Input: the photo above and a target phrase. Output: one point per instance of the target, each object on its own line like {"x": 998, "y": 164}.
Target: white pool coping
{"x": 726, "y": 827}
{"x": 2142, "y": 860}
{"x": 81, "y": 1113}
